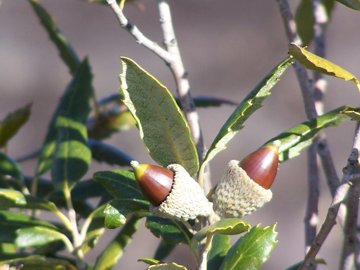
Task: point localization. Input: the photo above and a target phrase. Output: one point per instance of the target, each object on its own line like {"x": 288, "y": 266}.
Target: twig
{"x": 28, "y": 156}
{"x": 340, "y": 195}
{"x": 180, "y": 75}
{"x": 139, "y": 36}
{"x": 350, "y": 243}
{"x": 204, "y": 252}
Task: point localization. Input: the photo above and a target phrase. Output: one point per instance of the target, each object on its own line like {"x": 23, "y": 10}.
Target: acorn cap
{"x": 186, "y": 199}
{"x": 237, "y": 195}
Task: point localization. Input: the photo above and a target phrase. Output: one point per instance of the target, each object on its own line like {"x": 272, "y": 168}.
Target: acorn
{"x": 172, "y": 191}
{"x": 245, "y": 185}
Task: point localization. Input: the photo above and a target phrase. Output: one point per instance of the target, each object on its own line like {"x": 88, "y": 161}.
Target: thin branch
{"x": 180, "y": 75}
{"x": 350, "y": 244}
{"x": 139, "y": 36}
{"x": 340, "y": 195}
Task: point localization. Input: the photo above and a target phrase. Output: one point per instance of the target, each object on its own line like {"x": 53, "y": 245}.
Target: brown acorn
{"x": 262, "y": 165}
{"x": 245, "y": 185}
{"x": 171, "y": 191}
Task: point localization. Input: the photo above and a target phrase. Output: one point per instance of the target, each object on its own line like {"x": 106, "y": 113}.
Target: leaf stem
{"x": 74, "y": 227}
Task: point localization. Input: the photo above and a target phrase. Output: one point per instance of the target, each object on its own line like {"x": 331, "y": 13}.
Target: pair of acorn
{"x": 243, "y": 188}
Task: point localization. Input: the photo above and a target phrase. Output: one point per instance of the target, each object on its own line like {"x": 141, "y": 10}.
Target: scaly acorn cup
{"x": 245, "y": 185}
{"x": 172, "y": 191}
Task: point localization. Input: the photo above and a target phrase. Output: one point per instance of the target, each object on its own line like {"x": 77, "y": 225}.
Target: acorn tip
{"x": 134, "y": 163}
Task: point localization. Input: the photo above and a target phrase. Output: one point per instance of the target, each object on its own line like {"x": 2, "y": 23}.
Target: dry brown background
{"x": 227, "y": 47}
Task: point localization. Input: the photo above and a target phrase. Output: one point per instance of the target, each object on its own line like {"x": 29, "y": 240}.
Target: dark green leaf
{"x": 121, "y": 184}
{"x": 8, "y": 167}
{"x": 163, "y": 250}
{"x": 73, "y": 104}
{"x": 66, "y": 52}
{"x": 292, "y": 141}
{"x": 171, "y": 231}
{"x": 354, "y": 4}
{"x": 103, "y": 152}
{"x": 114, "y": 251}
{"x": 247, "y": 107}
{"x": 305, "y": 19}
{"x": 227, "y": 226}
{"x": 36, "y": 262}
{"x": 162, "y": 126}
{"x": 10, "y": 125}
{"x": 219, "y": 248}
{"x": 38, "y": 236}
{"x": 72, "y": 156}
{"x": 296, "y": 266}
{"x": 252, "y": 250}
{"x": 117, "y": 210}
{"x": 206, "y": 101}
{"x": 10, "y": 221}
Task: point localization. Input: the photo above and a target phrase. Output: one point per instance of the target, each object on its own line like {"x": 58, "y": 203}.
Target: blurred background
{"x": 227, "y": 47}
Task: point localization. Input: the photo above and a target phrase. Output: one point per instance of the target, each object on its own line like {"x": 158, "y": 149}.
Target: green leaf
{"x": 167, "y": 266}
{"x": 162, "y": 126}
{"x": 228, "y": 226}
{"x": 294, "y": 140}
{"x": 117, "y": 210}
{"x": 247, "y": 107}
{"x": 163, "y": 250}
{"x": 8, "y": 167}
{"x": 73, "y": 104}
{"x": 149, "y": 261}
{"x": 114, "y": 251}
{"x": 252, "y": 250}
{"x": 354, "y": 4}
{"x": 108, "y": 122}
{"x": 9, "y": 198}
{"x": 38, "y": 236}
{"x": 103, "y": 152}
{"x": 10, "y": 125}
{"x": 319, "y": 64}
{"x": 66, "y": 52}
{"x": 10, "y": 221}
{"x": 36, "y": 262}
{"x": 305, "y": 19}
{"x": 121, "y": 184}
{"x": 72, "y": 155}
{"x": 314, "y": 262}
{"x": 219, "y": 248}
{"x": 171, "y": 231}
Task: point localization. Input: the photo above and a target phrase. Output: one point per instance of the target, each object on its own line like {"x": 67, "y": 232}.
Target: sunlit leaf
{"x": 37, "y": 236}
{"x": 294, "y": 140}
{"x": 248, "y": 106}
{"x": 319, "y": 64}
{"x": 9, "y": 198}
{"x": 162, "y": 126}
{"x": 167, "y": 266}
{"x": 10, "y": 125}
{"x": 252, "y": 250}
{"x": 73, "y": 104}
{"x": 228, "y": 226}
